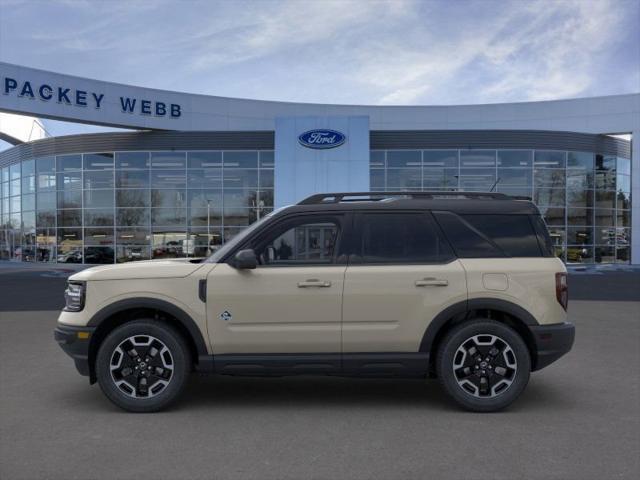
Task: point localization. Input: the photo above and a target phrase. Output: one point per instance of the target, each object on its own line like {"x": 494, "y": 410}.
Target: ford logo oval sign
{"x": 322, "y": 138}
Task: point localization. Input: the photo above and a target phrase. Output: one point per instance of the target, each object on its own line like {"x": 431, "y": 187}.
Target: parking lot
{"x": 578, "y": 419}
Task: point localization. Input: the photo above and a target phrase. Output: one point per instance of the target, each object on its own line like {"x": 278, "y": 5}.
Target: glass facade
{"x": 584, "y": 197}
{"x": 108, "y": 207}
{"x": 111, "y": 207}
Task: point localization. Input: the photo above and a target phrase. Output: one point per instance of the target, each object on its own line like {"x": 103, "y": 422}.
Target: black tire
{"x": 174, "y": 368}
{"x": 455, "y": 359}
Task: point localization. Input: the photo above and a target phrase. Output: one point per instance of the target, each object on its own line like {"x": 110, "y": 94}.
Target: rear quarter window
{"x": 490, "y": 235}
{"x": 544, "y": 239}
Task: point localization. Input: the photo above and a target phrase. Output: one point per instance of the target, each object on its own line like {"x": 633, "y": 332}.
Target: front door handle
{"x": 432, "y": 282}
{"x": 313, "y": 282}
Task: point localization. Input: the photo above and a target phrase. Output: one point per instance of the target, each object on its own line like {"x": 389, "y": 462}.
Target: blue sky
{"x": 361, "y": 52}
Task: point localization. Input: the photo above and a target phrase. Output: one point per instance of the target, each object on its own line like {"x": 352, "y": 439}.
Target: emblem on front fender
{"x": 226, "y": 316}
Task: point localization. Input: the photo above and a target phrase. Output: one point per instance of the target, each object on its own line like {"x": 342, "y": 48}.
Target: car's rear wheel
{"x": 142, "y": 366}
{"x": 483, "y": 365}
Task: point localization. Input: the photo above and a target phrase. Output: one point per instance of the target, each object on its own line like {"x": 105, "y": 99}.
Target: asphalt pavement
{"x": 578, "y": 418}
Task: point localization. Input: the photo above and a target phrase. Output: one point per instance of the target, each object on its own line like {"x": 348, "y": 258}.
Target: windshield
{"x": 239, "y": 238}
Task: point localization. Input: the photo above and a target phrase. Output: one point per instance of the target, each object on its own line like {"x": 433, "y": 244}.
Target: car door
{"x": 401, "y": 275}
{"x": 290, "y": 303}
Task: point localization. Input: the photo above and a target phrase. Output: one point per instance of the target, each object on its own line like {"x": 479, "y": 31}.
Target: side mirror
{"x": 245, "y": 260}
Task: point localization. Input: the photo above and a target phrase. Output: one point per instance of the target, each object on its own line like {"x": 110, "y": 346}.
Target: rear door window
{"x": 400, "y": 238}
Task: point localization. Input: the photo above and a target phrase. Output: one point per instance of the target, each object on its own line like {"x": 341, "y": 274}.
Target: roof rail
{"x": 379, "y": 196}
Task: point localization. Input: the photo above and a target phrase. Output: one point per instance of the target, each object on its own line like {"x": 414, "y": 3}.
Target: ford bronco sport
{"x": 459, "y": 286}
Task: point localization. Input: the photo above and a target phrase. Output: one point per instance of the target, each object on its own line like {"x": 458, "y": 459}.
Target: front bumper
{"x": 75, "y": 343}
{"x": 552, "y": 342}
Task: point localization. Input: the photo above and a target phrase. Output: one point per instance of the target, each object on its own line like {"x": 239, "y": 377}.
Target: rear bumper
{"x": 552, "y": 342}
{"x": 75, "y": 343}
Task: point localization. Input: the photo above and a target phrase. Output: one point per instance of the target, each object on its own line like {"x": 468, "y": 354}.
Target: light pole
{"x": 209, "y": 225}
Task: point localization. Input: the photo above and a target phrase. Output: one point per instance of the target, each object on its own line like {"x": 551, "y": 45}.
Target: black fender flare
{"x": 465, "y": 306}
{"x": 156, "y": 304}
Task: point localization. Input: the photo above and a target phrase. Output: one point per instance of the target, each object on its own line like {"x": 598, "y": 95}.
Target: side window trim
{"x": 336, "y": 217}
{"x": 357, "y": 234}
{"x": 544, "y": 243}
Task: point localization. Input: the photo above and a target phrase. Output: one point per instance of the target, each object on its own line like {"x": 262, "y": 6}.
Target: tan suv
{"x": 460, "y": 286}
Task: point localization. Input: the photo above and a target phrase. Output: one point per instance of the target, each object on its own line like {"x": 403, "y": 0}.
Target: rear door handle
{"x": 311, "y": 283}
{"x": 432, "y": 282}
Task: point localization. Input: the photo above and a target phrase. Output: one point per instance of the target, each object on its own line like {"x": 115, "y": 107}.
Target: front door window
{"x": 308, "y": 243}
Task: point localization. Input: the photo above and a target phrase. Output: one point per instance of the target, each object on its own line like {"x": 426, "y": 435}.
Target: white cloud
{"x": 265, "y": 31}
{"x": 386, "y": 52}
{"x": 553, "y": 54}
{"x": 532, "y": 51}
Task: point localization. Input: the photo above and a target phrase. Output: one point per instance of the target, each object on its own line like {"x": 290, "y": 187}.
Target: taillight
{"x": 562, "y": 289}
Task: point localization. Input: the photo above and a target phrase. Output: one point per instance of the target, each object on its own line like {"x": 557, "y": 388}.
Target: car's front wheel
{"x": 142, "y": 366}
{"x": 483, "y": 365}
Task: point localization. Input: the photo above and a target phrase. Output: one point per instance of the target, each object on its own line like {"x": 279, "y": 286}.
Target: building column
{"x": 301, "y": 171}
{"x": 635, "y": 197}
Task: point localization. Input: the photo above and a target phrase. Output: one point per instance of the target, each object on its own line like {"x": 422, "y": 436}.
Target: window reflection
{"x": 578, "y": 189}
{"x": 477, "y": 158}
{"x": 69, "y": 180}
{"x": 132, "y": 216}
{"x": 97, "y": 161}
{"x": 582, "y": 160}
{"x": 133, "y": 198}
{"x": 69, "y": 245}
{"x": 68, "y": 162}
{"x": 28, "y": 184}
{"x": 98, "y": 236}
{"x": 605, "y": 218}
{"x": 132, "y": 179}
{"x": 137, "y": 160}
{"x": 205, "y": 178}
{"x": 240, "y": 159}
{"x": 168, "y": 160}
{"x": 98, "y": 217}
{"x": 168, "y": 243}
{"x": 377, "y": 159}
{"x": 439, "y": 178}
{"x": 132, "y": 253}
{"x": 549, "y": 159}
{"x": 240, "y": 178}
{"x": 204, "y": 241}
{"x": 172, "y": 198}
{"x": 169, "y": 217}
{"x": 202, "y": 160}
{"x": 98, "y": 255}
{"x": 579, "y": 254}
{"x": 580, "y": 235}
{"x": 168, "y": 179}
{"x": 98, "y": 179}
{"x": 605, "y": 254}
{"x": 197, "y": 200}
{"x": 440, "y": 159}
{"x": 515, "y": 158}
{"x": 401, "y": 178}
{"x": 514, "y": 176}
{"x": 404, "y": 159}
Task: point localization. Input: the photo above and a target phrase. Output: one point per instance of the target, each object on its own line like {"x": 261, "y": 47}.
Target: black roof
{"x": 457, "y": 202}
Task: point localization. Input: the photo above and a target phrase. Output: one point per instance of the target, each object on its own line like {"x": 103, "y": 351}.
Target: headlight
{"x": 74, "y": 296}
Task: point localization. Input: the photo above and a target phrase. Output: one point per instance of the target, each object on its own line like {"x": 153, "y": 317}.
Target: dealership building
{"x": 194, "y": 170}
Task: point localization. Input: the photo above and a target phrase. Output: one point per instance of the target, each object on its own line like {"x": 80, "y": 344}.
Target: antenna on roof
{"x": 494, "y": 185}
